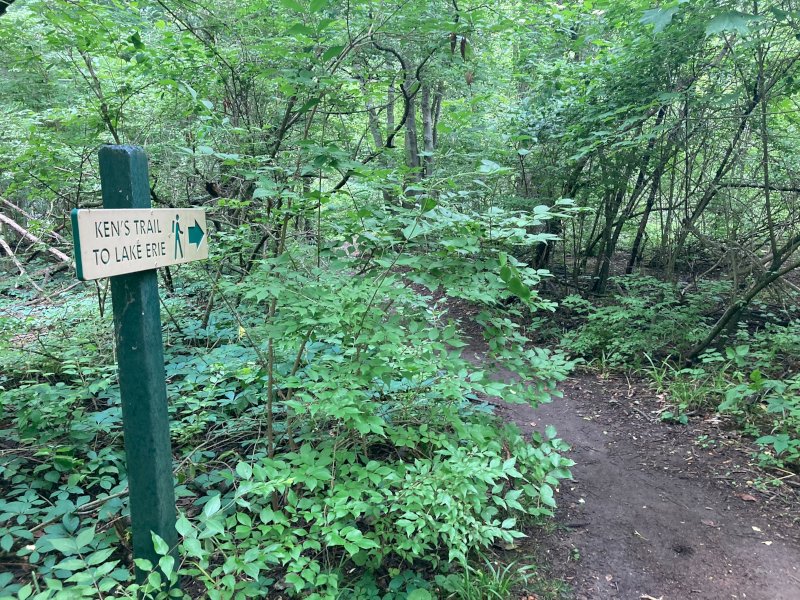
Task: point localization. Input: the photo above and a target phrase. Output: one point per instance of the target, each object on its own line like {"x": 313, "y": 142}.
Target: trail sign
{"x": 118, "y": 241}
{"x": 127, "y": 240}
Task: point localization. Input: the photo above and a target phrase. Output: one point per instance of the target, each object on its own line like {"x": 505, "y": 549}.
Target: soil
{"x": 658, "y": 511}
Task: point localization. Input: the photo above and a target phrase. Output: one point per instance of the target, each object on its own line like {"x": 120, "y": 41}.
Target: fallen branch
{"x": 22, "y": 270}
{"x": 36, "y": 240}
{"x": 54, "y": 234}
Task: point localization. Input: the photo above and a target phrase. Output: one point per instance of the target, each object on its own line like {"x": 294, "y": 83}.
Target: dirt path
{"x": 652, "y": 513}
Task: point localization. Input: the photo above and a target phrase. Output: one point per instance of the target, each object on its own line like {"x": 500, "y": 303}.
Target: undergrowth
{"x": 328, "y": 437}
{"x": 751, "y": 377}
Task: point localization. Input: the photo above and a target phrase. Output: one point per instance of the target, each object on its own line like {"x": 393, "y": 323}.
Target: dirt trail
{"x": 653, "y": 514}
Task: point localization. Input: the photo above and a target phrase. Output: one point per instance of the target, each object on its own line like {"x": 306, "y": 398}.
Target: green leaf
{"x": 420, "y": 594}
{"x": 143, "y": 564}
{"x": 489, "y": 167}
{"x": 262, "y": 193}
{"x": 546, "y": 494}
{"x": 244, "y": 470}
{"x": 300, "y": 29}
{"x": 71, "y": 564}
{"x": 193, "y": 547}
{"x": 70, "y": 522}
{"x": 308, "y": 106}
{"x": 297, "y": 581}
{"x": 212, "y": 506}
{"x": 100, "y": 556}
{"x": 64, "y": 545}
{"x": 429, "y": 204}
{"x": 733, "y": 21}
{"x": 159, "y": 544}
{"x": 411, "y": 231}
{"x": 166, "y": 564}
{"x": 154, "y": 579}
{"x": 332, "y": 52}
{"x": 780, "y": 443}
{"x": 183, "y": 526}
{"x": 84, "y": 537}
{"x": 136, "y": 40}
{"x": 658, "y": 17}
{"x": 293, "y": 5}
{"x": 519, "y": 289}
{"x": 318, "y": 5}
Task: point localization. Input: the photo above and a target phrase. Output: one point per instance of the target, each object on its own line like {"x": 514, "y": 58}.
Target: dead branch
{"x": 36, "y": 240}
{"x": 27, "y": 215}
{"x": 22, "y": 270}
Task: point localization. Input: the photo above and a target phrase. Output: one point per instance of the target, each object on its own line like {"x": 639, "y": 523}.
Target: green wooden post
{"x": 142, "y": 379}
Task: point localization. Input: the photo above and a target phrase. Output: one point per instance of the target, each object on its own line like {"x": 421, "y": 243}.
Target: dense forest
{"x": 420, "y": 213}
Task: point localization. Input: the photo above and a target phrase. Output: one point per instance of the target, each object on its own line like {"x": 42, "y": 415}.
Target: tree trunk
{"x": 412, "y": 145}
{"x": 427, "y": 130}
{"x": 374, "y": 127}
{"x": 437, "y": 110}
{"x": 637, "y": 242}
{"x": 390, "y": 109}
{"x": 731, "y": 316}
{"x": 610, "y": 233}
{"x": 607, "y": 243}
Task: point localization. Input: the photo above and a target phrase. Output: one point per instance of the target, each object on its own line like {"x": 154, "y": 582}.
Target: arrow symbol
{"x": 196, "y": 234}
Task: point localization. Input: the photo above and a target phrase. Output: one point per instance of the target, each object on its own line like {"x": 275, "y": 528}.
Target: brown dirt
{"x": 657, "y": 511}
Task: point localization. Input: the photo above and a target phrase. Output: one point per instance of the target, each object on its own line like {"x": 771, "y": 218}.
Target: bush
{"x": 330, "y": 435}
{"x": 755, "y": 383}
{"x": 648, "y": 317}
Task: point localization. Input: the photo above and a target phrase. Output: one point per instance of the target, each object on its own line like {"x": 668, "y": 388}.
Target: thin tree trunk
{"x": 374, "y": 127}
{"x": 637, "y": 242}
{"x": 412, "y": 145}
{"x": 390, "y": 95}
{"x": 427, "y": 130}
{"x": 607, "y": 243}
{"x": 437, "y": 111}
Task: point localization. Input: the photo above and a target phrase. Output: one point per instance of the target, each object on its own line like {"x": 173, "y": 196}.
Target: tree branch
{"x": 4, "y": 4}
{"x": 28, "y": 235}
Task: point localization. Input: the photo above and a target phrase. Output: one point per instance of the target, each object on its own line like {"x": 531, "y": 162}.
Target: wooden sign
{"x": 112, "y": 242}
{"x": 129, "y": 236}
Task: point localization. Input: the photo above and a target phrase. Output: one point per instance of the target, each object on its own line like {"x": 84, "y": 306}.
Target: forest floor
{"x": 658, "y": 511}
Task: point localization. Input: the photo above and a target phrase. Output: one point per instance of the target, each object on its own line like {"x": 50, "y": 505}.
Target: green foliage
{"x": 647, "y": 318}
{"x": 330, "y": 437}
{"x": 486, "y": 581}
{"x": 343, "y": 433}
{"x": 364, "y": 513}
{"x": 748, "y": 383}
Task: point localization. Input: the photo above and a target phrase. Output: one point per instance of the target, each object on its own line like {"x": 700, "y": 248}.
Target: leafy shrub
{"x": 753, "y": 383}
{"x": 648, "y": 317}
{"x": 336, "y": 508}
{"x": 325, "y": 421}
